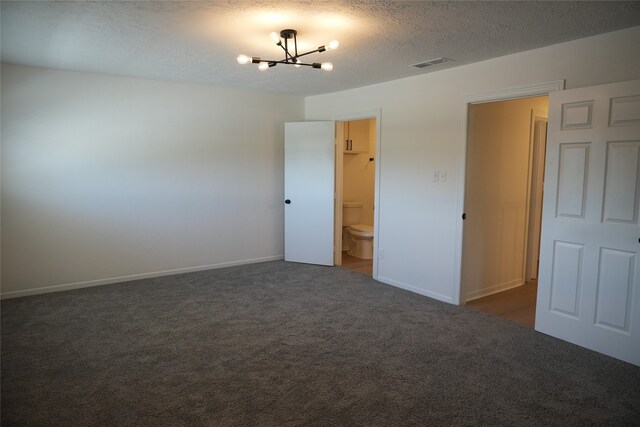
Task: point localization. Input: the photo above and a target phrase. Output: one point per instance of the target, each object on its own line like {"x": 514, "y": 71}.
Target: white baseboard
{"x": 110, "y": 280}
{"x": 434, "y": 295}
{"x": 485, "y": 292}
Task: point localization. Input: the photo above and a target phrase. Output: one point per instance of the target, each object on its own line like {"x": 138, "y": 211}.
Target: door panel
{"x": 572, "y": 180}
{"x": 565, "y": 284}
{"x": 589, "y": 285}
{"x": 309, "y": 188}
{"x": 614, "y": 289}
{"x": 621, "y": 189}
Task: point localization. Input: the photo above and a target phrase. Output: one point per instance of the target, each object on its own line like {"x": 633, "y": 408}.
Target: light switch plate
{"x": 443, "y": 176}
{"x": 436, "y": 175}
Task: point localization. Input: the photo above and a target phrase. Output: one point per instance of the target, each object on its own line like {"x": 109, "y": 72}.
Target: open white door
{"x": 309, "y": 192}
{"x": 589, "y": 279}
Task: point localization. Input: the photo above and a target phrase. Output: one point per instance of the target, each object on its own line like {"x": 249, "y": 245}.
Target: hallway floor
{"x": 517, "y": 304}
{"x": 364, "y": 266}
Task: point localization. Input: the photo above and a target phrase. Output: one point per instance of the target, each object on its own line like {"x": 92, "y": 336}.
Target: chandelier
{"x": 291, "y": 57}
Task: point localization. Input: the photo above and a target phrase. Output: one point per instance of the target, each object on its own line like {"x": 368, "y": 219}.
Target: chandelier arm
{"x": 284, "y": 61}
{"x": 283, "y": 48}
{"x": 290, "y": 58}
{"x": 287, "y": 55}
{"x": 276, "y": 61}
{"x": 308, "y": 53}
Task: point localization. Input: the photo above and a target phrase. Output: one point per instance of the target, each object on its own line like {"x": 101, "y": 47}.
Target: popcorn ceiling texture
{"x": 198, "y": 41}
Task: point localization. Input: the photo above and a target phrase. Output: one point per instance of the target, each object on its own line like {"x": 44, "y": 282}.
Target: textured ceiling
{"x": 198, "y": 42}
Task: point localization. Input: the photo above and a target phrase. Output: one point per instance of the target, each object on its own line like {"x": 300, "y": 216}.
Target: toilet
{"x": 362, "y": 237}
{"x": 357, "y": 238}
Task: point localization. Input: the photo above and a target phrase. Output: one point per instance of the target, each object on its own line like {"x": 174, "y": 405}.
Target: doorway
{"x": 313, "y": 201}
{"x": 355, "y": 189}
{"x": 503, "y": 206}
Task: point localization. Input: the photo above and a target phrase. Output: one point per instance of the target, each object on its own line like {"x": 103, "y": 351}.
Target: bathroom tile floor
{"x": 364, "y": 266}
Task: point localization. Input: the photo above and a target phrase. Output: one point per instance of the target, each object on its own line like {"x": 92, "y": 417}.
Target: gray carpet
{"x": 289, "y": 344}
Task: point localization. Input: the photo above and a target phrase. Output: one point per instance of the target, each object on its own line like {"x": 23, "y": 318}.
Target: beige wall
{"x": 422, "y": 130}
{"x": 496, "y": 195}
{"x": 359, "y": 177}
{"x": 109, "y": 178}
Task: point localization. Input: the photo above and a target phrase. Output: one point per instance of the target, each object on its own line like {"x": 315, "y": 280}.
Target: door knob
{"x": 288, "y": 202}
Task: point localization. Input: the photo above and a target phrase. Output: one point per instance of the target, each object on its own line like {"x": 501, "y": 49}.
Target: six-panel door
{"x": 589, "y": 286}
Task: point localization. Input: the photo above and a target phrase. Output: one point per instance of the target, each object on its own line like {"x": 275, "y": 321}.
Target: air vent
{"x": 430, "y": 62}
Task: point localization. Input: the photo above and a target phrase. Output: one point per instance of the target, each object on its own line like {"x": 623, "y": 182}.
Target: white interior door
{"x": 588, "y": 285}
{"x": 309, "y": 192}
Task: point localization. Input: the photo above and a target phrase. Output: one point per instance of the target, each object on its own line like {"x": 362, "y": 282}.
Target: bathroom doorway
{"x": 355, "y": 179}
{"x": 503, "y": 206}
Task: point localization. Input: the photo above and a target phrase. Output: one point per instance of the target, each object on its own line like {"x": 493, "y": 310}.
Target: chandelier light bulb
{"x": 263, "y": 66}
{"x": 243, "y": 59}
{"x": 327, "y": 66}
{"x": 275, "y": 37}
{"x": 333, "y": 44}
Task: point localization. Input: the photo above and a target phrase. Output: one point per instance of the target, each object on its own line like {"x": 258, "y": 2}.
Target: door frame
{"x": 337, "y": 194}
{"x": 539, "y": 89}
{"x": 533, "y": 209}
{"x": 347, "y": 117}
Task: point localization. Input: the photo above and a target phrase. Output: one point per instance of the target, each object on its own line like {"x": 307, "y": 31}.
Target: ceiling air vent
{"x": 430, "y": 62}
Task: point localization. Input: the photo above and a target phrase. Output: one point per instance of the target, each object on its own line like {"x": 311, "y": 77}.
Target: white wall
{"x": 106, "y": 178}
{"x": 496, "y": 195}
{"x": 421, "y": 130}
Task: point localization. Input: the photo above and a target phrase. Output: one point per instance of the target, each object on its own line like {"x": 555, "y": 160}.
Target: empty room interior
{"x": 258, "y": 212}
